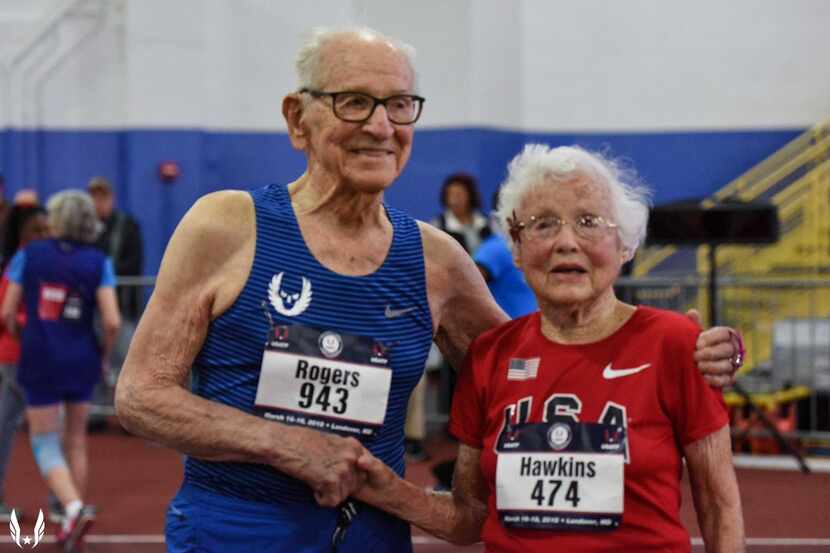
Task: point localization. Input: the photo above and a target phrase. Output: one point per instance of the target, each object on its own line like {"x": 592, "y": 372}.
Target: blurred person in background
{"x": 462, "y": 217}
{"x": 23, "y": 224}
{"x": 62, "y": 281}
{"x": 121, "y": 240}
{"x": 575, "y": 420}
{"x": 26, "y": 197}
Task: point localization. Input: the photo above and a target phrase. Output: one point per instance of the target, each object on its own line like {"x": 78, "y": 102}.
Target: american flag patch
{"x": 522, "y": 369}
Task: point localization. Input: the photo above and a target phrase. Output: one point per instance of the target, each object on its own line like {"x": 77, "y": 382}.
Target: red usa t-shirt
{"x": 643, "y": 376}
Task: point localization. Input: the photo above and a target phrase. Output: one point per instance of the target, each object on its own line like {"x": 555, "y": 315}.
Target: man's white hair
{"x": 540, "y": 165}
{"x": 309, "y": 65}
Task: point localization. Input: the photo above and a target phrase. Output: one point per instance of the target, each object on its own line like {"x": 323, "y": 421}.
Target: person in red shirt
{"x": 574, "y": 421}
{"x": 24, "y": 223}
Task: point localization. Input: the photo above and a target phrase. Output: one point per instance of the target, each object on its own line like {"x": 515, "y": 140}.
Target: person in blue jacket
{"x": 504, "y": 279}
{"x": 62, "y": 281}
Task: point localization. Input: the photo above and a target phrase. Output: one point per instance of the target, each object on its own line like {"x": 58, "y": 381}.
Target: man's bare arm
{"x": 204, "y": 269}
{"x": 461, "y": 304}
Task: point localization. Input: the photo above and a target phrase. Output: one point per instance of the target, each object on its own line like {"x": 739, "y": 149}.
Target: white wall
{"x": 525, "y": 64}
{"x": 642, "y": 64}
{"x": 497, "y": 84}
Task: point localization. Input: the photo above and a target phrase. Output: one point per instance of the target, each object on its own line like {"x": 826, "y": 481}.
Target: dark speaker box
{"x": 688, "y": 223}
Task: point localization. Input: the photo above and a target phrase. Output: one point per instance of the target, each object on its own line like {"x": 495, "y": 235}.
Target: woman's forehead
{"x": 554, "y": 195}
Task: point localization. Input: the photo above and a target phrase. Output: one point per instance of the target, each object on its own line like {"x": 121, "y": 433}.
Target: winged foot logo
{"x": 20, "y": 540}
{"x": 285, "y": 303}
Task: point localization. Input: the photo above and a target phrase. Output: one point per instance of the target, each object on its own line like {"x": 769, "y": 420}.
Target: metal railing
{"x": 786, "y": 327}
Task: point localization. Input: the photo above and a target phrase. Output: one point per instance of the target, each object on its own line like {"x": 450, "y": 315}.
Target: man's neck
{"x": 334, "y": 204}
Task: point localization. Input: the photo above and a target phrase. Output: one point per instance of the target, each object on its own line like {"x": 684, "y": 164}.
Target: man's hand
{"x": 328, "y": 464}
{"x": 719, "y": 353}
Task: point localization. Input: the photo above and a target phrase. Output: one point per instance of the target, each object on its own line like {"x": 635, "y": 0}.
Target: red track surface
{"x": 132, "y": 481}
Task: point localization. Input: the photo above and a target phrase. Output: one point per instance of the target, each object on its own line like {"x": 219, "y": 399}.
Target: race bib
{"x": 324, "y": 380}
{"x": 50, "y": 301}
{"x": 561, "y": 476}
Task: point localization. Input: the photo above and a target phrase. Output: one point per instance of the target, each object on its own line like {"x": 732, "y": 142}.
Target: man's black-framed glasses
{"x": 357, "y": 107}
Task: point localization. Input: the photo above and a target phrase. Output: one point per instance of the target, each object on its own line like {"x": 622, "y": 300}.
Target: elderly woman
{"x": 62, "y": 281}
{"x": 23, "y": 224}
{"x": 574, "y": 421}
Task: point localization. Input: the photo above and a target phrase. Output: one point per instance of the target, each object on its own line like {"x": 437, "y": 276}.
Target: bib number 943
{"x": 328, "y": 398}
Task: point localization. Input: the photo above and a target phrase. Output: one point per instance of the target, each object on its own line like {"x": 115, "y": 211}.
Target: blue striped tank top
{"x": 227, "y": 368}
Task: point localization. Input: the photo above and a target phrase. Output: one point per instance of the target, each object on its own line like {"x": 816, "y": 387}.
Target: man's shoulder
{"x": 225, "y": 208}
{"x": 211, "y": 249}
{"x": 439, "y": 244}
{"x": 218, "y": 223}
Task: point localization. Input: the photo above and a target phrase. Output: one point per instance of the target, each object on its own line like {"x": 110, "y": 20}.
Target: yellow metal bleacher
{"x": 760, "y": 285}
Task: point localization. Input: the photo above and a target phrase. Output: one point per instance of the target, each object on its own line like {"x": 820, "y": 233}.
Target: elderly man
{"x": 305, "y": 313}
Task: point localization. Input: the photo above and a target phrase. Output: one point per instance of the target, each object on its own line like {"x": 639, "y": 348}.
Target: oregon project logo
{"x": 281, "y": 300}
{"x": 17, "y": 538}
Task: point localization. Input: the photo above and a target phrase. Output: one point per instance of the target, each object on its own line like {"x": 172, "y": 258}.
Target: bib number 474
{"x": 545, "y": 492}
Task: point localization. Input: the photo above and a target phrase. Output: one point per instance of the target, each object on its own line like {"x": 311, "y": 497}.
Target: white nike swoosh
{"x": 393, "y": 313}
{"x": 610, "y": 373}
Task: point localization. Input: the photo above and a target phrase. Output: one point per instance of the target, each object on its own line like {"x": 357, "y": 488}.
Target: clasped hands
{"x": 336, "y": 468}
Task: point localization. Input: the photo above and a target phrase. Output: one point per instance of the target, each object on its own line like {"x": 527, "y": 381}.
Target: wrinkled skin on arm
{"x": 715, "y": 492}
{"x": 461, "y": 304}
{"x": 203, "y": 271}
{"x": 456, "y": 517}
